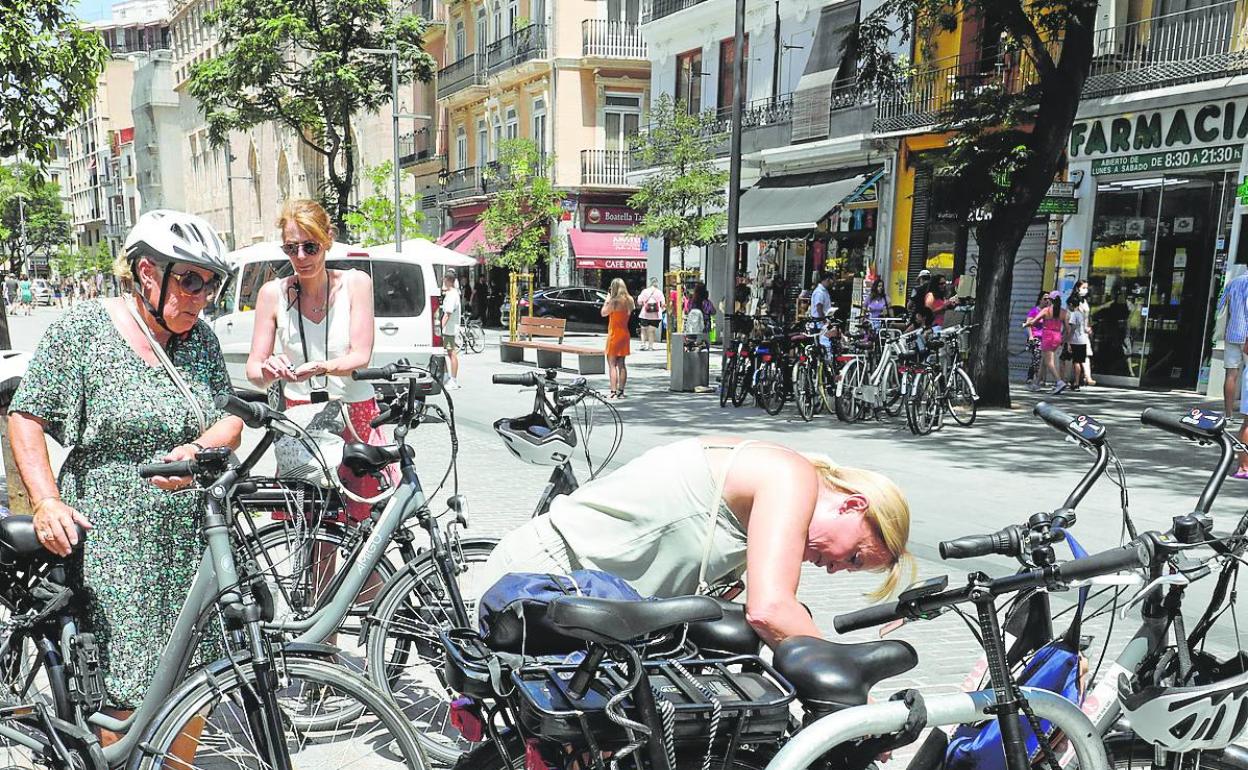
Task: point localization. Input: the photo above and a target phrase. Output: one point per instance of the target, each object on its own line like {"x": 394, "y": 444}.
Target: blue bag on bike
{"x": 1056, "y": 666}
{"x": 512, "y": 613}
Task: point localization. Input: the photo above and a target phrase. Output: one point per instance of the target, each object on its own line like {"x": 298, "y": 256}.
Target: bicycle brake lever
{"x": 1172, "y": 579}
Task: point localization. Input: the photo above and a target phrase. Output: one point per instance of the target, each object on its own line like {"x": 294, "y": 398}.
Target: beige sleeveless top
{"x": 648, "y": 521}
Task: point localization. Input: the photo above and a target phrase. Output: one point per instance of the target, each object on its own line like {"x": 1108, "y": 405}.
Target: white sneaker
{"x": 453, "y": 384}
{"x": 1059, "y": 387}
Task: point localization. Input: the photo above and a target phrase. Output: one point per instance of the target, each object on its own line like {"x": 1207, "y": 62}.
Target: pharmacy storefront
{"x": 1156, "y": 187}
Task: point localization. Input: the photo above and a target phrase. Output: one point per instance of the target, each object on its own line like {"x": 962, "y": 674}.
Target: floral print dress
{"x": 116, "y": 411}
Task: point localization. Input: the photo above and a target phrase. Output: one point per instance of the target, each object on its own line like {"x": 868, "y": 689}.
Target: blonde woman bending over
{"x": 702, "y": 511}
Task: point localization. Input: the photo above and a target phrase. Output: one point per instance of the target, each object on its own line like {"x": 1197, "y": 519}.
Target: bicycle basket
{"x": 754, "y": 701}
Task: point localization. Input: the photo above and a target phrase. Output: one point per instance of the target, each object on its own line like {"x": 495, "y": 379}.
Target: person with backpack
{"x": 652, "y": 306}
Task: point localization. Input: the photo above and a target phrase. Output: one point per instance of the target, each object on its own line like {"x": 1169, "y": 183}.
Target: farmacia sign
{"x": 1205, "y": 134}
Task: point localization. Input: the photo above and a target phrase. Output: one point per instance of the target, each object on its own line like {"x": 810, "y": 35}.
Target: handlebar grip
{"x": 180, "y": 468}
{"x": 867, "y": 617}
{"x": 1130, "y": 556}
{"x": 386, "y": 416}
{"x": 253, "y": 415}
{"x": 967, "y": 547}
{"x": 1053, "y": 416}
{"x": 386, "y": 372}
{"x": 1194, "y": 424}
{"x": 524, "y": 380}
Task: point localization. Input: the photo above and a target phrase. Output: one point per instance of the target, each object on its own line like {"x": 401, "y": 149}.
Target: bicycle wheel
{"x": 848, "y": 407}
{"x": 299, "y": 562}
{"x": 960, "y": 398}
{"x": 804, "y": 394}
{"x": 404, "y": 653}
{"x": 825, "y": 385}
{"x": 476, "y": 337}
{"x": 894, "y": 400}
{"x": 216, "y": 718}
{"x": 924, "y": 407}
{"x": 770, "y": 388}
{"x": 743, "y": 384}
{"x": 727, "y": 382}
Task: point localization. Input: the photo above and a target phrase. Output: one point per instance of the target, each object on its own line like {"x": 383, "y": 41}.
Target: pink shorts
{"x": 361, "y": 413}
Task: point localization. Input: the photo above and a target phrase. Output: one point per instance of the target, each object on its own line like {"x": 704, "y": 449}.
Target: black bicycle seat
{"x": 834, "y": 676}
{"x": 365, "y": 459}
{"x": 613, "y": 621}
{"x": 731, "y": 635}
{"x": 18, "y": 541}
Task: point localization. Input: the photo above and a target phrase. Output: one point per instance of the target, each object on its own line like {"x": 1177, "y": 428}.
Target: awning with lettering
{"x": 796, "y": 203}
{"x": 608, "y": 251}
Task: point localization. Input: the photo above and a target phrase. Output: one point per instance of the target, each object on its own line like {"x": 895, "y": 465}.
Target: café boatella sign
{"x": 1202, "y": 134}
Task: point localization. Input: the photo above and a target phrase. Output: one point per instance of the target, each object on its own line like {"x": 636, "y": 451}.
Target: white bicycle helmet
{"x": 1178, "y": 719}
{"x": 172, "y": 237}
{"x": 534, "y": 440}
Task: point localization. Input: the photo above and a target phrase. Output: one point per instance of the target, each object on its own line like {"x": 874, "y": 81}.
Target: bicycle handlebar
{"x": 1004, "y": 542}
{"x": 524, "y": 380}
{"x": 179, "y": 468}
{"x": 1082, "y": 428}
{"x": 386, "y": 372}
{"x": 252, "y": 413}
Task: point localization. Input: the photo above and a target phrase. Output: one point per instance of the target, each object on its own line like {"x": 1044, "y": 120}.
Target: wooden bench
{"x": 550, "y": 353}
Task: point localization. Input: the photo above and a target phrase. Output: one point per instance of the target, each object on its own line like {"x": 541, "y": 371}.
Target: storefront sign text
{"x": 1058, "y": 205}
{"x": 1190, "y": 135}
{"x": 598, "y": 263}
{"x": 611, "y": 218}
{"x": 1163, "y": 161}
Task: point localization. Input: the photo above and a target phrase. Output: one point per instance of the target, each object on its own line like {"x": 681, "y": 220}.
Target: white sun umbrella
{"x": 425, "y": 250}
{"x": 273, "y": 249}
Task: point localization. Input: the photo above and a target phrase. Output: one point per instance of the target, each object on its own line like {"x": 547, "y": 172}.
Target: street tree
{"x": 31, "y": 215}
{"x": 49, "y": 66}
{"x": 683, "y": 200}
{"x": 372, "y": 220}
{"x": 300, "y": 63}
{"x": 1009, "y": 131}
{"x": 524, "y": 205}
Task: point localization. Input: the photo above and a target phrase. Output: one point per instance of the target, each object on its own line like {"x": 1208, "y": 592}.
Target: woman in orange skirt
{"x": 617, "y": 309}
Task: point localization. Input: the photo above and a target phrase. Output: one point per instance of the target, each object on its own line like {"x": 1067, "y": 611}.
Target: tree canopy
{"x": 300, "y": 63}
{"x": 524, "y": 205}
{"x": 26, "y": 197}
{"x": 372, "y": 219}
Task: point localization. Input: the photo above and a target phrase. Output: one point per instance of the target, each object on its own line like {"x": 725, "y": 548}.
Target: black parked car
{"x": 580, "y": 305}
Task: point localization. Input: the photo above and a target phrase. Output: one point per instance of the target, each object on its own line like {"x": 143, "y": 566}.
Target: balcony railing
{"x": 1183, "y": 47}
{"x": 924, "y": 96}
{"x": 464, "y": 183}
{"x": 657, "y": 9}
{"x": 604, "y": 168}
{"x": 612, "y": 39}
{"x": 417, "y": 146}
{"x": 464, "y": 73}
{"x": 517, "y": 48}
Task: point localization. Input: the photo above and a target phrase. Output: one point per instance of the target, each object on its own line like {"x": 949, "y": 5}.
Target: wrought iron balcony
{"x": 417, "y": 147}
{"x": 924, "y": 96}
{"x": 465, "y": 73}
{"x": 657, "y": 9}
{"x": 520, "y": 46}
{"x": 464, "y": 183}
{"x": 604, "y": 168}
{"x": 1182, "y": 47}
{"x": 612, "y": 39}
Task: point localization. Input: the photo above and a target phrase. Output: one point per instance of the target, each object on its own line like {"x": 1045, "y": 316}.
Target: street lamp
{"x": 393, "y": 53}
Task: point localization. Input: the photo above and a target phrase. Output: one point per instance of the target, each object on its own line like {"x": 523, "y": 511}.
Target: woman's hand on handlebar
{"x": 55, "y": 522}
{"x": 175, "y": 483}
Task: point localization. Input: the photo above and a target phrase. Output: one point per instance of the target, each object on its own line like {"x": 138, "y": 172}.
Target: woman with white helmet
{"x": 124, "y": 381}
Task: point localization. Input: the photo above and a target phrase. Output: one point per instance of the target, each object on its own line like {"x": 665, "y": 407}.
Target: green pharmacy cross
{"x": 1242, "y": 191}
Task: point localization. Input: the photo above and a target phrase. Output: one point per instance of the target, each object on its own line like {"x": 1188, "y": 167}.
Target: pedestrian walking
{"x": 480, "y": 298}
{"x": 129, "y": 380}
{"x": 617, "y": 309}
{"x": 10, "y": 291}
{"x": 1234, "y": 302}
{"x": 450, "y": 310}
{"x": 1081, "y": 291}
{"x": 938, "y": 300}
{"x": 314, "y": 328}
{"x": 1052, "y": 322}
{"x": 652, "y": 305}
{"x": 25, "y": 295}
{"x": 1077, "y": 339}
{"x": 1034, "y": 378}
{"x": 877, "y": 303}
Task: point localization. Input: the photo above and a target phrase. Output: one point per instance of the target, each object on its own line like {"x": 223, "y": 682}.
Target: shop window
{"x": 689, "y": 80}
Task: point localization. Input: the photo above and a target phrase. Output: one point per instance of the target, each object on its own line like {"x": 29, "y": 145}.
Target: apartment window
{"x": 513, "y": 10}
{"x": 498, "y": 21}
{"x": 539, "y": 125}
{"x": 621, "y": 119}
{"x": 461, "y": 147}
{"x": 483, "y": 143}
{"x": 689, "y": 80}
{"x": 461, "y": 44}
{"x": 513, "y": 125}
{"x": 498, "y": 137}
{"x": 539, "y": 12}
{"x": 625, "y": 11}
{"x": 727, "y": 60}
{"x": 482, "y": 35}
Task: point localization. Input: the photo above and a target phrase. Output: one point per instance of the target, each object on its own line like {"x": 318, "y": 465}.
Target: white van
{"x": 406, "y": 292}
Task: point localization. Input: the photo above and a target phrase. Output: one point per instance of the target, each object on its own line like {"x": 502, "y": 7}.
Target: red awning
{"x": 474, "y": 238}
{"x": 608, "y": 251}
{"x": 451, "y": 237}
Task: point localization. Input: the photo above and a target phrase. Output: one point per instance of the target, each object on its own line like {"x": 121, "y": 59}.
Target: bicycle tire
{"x": 848, "y": 407}
{"x": 476, "y": 338}
{"x": 960, "y": 398}
{"x": 825, "y": 383}
{"x": 770, "y": 388}
{"x": 727, "y": 381}
{"x": 380, "y": 737}
{"x": 405, "y": 655}
{"x": 486, "y": 757}
{"x": 804, "y": 395}
{"x": 894, "y": 399}
{"x": 742, "y": 386}
{"x": 925, "y": 405}
{"x": 291, "y": 584}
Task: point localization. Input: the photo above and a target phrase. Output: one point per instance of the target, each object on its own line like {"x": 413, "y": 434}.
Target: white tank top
{"x": 339, "y": 338}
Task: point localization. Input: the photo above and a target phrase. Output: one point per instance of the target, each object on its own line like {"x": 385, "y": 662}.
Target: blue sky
{"x": 93, "y": 10}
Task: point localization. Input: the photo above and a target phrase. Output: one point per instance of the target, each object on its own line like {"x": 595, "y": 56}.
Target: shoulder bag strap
{"x": 713, "y": 513}
{"x": 170, "y": 369}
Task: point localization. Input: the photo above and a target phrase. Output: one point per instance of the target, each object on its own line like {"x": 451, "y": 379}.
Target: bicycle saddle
{"x": 364, "y": 459}
{"x": 612, "y": 621}
{"x": 731, "y": 635}
{"x": 832, "y": 676}
{"x": 18, "y": 541}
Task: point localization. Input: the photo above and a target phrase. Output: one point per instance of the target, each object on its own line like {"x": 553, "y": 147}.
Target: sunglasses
{"x": 310, "y": 248}
{"x": 191, "y": 282}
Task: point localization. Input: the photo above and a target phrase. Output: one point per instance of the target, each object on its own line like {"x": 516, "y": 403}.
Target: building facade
{"x": 573, "y": 77}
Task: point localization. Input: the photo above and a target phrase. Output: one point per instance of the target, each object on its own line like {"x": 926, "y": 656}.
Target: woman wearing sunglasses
{"x": 313, "y": 328}
{"x": 129, "y": 380}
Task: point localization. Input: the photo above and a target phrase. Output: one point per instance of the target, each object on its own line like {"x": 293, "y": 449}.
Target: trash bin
{"x": 690, "y": 368}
